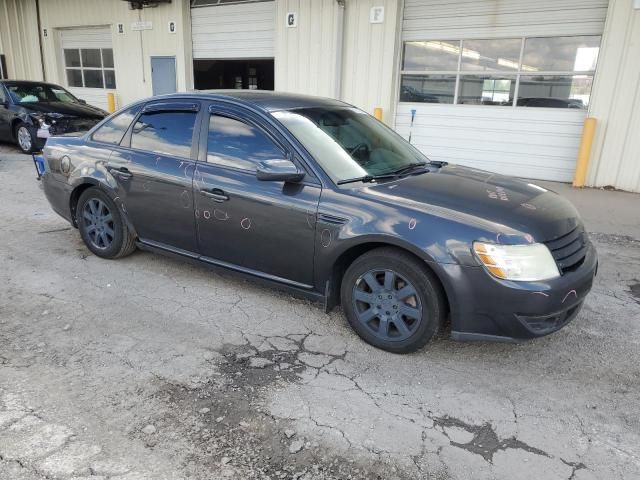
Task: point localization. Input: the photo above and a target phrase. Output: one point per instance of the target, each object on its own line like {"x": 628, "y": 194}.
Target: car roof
{"x": 265, "y": 99}
{"x": 29, "y": 82}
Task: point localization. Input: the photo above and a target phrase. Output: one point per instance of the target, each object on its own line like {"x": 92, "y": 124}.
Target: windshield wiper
{"x": 407, "y": 168}
{"x": 393, "y": 174}
{"x": 367, "y": 178}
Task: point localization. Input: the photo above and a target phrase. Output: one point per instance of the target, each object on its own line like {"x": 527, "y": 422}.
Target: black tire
{"x": 107, "y": 238}
{"x": 22, "y": 128}
{"x": 427, "y": 305}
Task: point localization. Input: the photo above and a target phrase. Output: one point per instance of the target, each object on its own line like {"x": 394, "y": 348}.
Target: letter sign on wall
{"x": 376, "y": 15}
{"x": 292, "y": 20}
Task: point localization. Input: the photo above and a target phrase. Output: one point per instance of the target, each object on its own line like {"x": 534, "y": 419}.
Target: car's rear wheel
{"x": 25, "y": 138}
{"x": 101, "y": 225}
{"x": 392, "y": 301}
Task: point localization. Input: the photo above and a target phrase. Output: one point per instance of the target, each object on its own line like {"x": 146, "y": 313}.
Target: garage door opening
{"x": 252, "y": 74}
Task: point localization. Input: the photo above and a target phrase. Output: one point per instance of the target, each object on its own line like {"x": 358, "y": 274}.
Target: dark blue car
{"x": 318, "y": 197}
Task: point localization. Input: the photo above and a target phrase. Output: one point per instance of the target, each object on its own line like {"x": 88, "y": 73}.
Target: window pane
{"x": 110, "y": 79}
{"x": 114, "y": 129}
{"x": 74, "y": 78}
{"x": 72, "y": 57}
{"x": 107, "y": 58}
{"x": 557, "y": 91}
{"x": 427, "y": 88}
{"x": 168, "y": 133}
{"x": 91, "y": 58}
{"x": 486, "y": 90}
{"x": 563, "y": 54}
{"x": 498, "y": 54}
{"x": 431, "y": 55}
{"x": 238, "y": 144}
{"x": 93, "y": 78}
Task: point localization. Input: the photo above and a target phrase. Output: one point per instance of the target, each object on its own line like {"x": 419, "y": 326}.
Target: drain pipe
{"x": 339, "y": 22}
{"x": 44, "y": 74}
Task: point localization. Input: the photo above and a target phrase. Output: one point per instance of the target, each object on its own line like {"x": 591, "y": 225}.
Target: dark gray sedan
{"x": 318, "y": 197}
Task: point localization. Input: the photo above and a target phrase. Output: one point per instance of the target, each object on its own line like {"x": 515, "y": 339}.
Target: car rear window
{"x": 113, "y": 131}
{"x": 164, "y": 132}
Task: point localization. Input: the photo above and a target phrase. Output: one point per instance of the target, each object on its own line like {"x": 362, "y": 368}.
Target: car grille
{"x": 569, "y": 250}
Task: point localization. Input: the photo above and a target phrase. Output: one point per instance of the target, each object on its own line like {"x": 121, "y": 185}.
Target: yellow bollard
{"x": 111, "y": 102}
{"x": 377, "y": 112}
{"x": 582, "y": 165}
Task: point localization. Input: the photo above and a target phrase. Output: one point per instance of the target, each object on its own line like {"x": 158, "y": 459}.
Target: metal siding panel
{"x": 234, "y": 31}
{"x": 473, "y": 19}
{"x": 533, "y": 143}
{"x": 616, "y": 102}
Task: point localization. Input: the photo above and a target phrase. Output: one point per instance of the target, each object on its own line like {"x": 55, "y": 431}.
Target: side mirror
{"x": 83, "y": 102}
{"x": 278, "y": 171}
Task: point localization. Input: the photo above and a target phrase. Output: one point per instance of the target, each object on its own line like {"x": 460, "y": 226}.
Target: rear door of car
{"x": 6, "y": 115}
{"x": 154, "y": 165}
{"x": 266, "y": 227}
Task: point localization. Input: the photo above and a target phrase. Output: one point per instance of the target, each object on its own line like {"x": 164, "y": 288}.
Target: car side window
{"x": 237, "y": 144}
{"x": 3, "y": 97}
{"x": 113, "y": 131}
{"x": 164, "y": 132}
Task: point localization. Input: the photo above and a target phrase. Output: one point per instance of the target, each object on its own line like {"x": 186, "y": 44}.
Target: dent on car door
{"x": 154, "y": 166}
{"x": 267, "y": 227}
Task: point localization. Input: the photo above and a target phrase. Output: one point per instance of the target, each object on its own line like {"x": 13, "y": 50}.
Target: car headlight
{"x": 526, "y": 263}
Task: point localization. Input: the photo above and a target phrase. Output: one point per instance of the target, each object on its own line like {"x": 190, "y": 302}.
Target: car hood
{"x": 508, "y": 205}
{"x": 67, "y": 109}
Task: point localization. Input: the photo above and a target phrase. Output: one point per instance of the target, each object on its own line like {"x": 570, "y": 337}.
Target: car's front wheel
{"x": 392, "y": 301}
{"x": 101, "y": 225}
{"x": 25, "y": 138}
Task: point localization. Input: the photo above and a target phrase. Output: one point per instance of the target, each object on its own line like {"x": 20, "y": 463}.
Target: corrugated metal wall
{"x": 19, "y": 39}
{"x": 436, "y": 19}
{"x": 370, "y": 54}
{"x": 308, "y": 56}
{"x": 539, "y": 143}
{"x": 234, "y": 31}
{"x": 131, "y": 49}
{"x": 615, "y": 158}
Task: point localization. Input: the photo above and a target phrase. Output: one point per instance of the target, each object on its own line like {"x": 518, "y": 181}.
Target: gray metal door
{"x": 163, "y": 75}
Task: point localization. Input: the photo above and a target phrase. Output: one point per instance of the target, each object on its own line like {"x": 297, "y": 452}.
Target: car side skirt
{"x": 298, "y": 290}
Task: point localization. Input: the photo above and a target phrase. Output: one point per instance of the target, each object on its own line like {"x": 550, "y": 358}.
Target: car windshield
{"x": 39, "y": 93}
{"x": 348, "y": 143}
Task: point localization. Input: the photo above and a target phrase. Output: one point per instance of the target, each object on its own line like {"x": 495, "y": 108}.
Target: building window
{"x": 90, "y": 67}
{"x": 530, "y": 72}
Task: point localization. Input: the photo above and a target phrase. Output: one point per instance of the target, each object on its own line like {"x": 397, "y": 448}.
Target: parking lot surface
{"x": 149, "y": 368}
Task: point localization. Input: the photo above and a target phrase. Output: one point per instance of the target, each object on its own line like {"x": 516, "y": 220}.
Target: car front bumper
{"x": 486, "y": 308}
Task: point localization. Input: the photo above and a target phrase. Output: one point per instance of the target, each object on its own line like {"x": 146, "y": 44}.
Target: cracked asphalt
{"x": 149, "y": 368}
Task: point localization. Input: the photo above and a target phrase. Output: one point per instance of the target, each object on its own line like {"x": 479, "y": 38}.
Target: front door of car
{"x": 154, "y": 166}
{"x": 266, "y": 227}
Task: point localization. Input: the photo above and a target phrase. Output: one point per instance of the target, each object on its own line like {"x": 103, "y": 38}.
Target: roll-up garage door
{"x": 233, "y": 31}
{"x": 502, "y": 86}
{"x": 87, "y": 61}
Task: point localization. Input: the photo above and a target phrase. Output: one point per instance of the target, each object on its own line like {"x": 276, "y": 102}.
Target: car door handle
{"x": 123, "y": 172}
{"x": 215, "y": 194}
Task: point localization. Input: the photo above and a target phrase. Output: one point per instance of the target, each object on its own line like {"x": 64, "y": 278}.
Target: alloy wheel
{"x": 98, "y": 223}
{"x": 387, "y": 304}
{"x": 24, "y": 138}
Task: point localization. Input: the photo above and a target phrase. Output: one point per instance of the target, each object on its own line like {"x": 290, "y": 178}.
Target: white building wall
{"x": 615, "y": 158}
{"x": 132, "y": 50}
{"x": 371, "y": 53}
{"x": 308, "y": 56}
{"x": 19, "y": 39}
